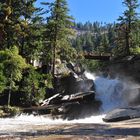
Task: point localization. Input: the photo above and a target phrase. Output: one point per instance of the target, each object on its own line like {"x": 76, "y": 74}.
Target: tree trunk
{"x": 54, "y": 58}
{"x": 9, "y": 97}
{"x": 22, "y": 47}
{"x": 55, "y": 42}
{"x": 127, "y": 45}
{"x": 33, "y": 94}
{"x": 10, "y": 89}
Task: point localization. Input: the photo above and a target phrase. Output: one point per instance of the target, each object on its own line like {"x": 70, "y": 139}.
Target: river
{"x": 109, "y": 91}
{"x": 31, "y": 127}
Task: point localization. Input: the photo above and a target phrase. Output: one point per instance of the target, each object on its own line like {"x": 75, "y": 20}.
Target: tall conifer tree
{"x": 127, "y": 22}
{"x": 59, "y": 28}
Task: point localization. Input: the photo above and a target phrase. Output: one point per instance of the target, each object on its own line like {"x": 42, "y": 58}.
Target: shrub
{"x": 12, "y": 111}
{"x": 135, "y": 50}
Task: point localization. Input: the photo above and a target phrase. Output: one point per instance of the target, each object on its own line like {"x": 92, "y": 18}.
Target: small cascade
{"x": 109, "y": 91}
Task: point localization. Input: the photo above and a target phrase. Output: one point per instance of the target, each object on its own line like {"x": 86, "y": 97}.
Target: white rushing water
{"x": 41, "y": 120}
{"x": 109, "y": 91}
{"x": 25, "y": 123}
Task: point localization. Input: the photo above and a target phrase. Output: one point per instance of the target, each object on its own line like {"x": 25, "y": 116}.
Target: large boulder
{"x": 75, "y": 98}
{"x": 123, "y": 114}
{"x": 76, "y": 110}
{"x": 72, "y": 87}
{"x": 64, "y": 68}
{"x": 74, "y": 94}
{"x": 72, "y": 83}
{"x": 74, "y": 106}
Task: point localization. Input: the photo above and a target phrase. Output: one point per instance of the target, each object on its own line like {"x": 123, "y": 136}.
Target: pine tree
{"x": 3, "y": 79}
{"x": 58, "y": 29}
{"x": 32, "y": 87}
{"x": 13, "y": 64}
{"x": 104, "y": 45}
{"x": 18, "y": 27}
{"x": 127, "y": 22}
{"x": 111, "y": 35}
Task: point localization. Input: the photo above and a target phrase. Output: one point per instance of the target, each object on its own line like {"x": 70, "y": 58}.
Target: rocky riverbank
{"x": 124, "y": 130}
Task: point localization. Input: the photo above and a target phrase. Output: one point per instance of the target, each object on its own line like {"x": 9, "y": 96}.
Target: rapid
{"x": 109, "y": 91}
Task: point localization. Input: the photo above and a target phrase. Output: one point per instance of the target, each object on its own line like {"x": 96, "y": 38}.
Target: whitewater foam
{"x": 24, "y": 123}
{"x": 41, "y": 120}
{"x": 108, "y": 91}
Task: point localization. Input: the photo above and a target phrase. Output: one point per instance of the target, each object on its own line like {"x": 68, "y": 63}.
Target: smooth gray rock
{"x": 123, "y": 114}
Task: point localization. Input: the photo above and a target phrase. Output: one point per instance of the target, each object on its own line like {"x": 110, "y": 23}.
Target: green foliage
{"x": 3, "y": 79}
{"x": 36, "y": 40}
{"x": 127, "y": 26}
{"x": 93, "y": 65}
{"x": 58, "y": 29}
{"x": 32, "y": 43}
{"x": 135, "y": 34}
{"x": 135, "y": 50}
{"x": 12, "y": 65}
{"x": 94, "y": 37}
{"x": 48, "y": 80}
{"x": 46, "y": 41}
{"x": 66, "y": 51}
{"x": 32, "y": 87}
{"x": 21, "y": 27}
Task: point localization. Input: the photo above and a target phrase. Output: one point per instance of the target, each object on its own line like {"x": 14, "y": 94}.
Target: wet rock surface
{"x": 73, "y": 96}
{"x": 123, "y": 114}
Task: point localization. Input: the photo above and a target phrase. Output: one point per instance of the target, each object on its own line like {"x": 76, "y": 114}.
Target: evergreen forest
{"x": 33, "y": 39}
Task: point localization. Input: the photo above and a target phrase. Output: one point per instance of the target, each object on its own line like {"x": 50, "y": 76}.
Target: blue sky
{"x": 94, "y": 10}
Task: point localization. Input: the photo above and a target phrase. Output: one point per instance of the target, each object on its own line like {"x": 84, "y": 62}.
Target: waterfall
{"x": 115, "y": 93}
{"x": 109, "y": 91}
